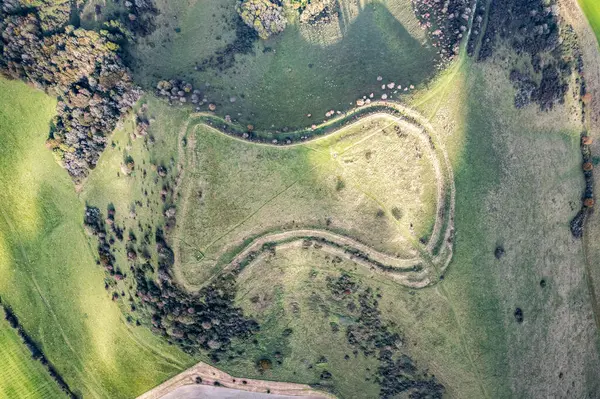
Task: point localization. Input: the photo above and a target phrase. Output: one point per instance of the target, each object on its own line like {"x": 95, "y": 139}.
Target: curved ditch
{"x": 420, "y": 271}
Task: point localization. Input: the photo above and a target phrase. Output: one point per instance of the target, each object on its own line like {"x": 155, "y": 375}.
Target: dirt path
{"x": 209, "y": 375}
{"x": 419, "y": 271}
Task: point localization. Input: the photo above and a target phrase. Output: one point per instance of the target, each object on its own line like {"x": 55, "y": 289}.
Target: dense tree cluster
{"x": 447, "y": 22}
{"x": 267, "y": 17}
{"x": 207, "y": 320}
{"x": 52, "y": 14}
{"x": 84, "y": 71}
{"x": 141, "y": 16}
{"x": 35, "y": 350}
{"x": 397, "y": 374}
{"x": 551, "y": 89}
{"x": 531, "y": 28}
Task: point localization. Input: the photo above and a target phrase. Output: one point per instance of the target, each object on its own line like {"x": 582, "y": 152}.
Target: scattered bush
{"x": 224, "y": 58}
{"x": 577, "y": 223}
{"x": 397, "y": 213}
{"x": 179, "y": 92}
{"x": 264, "y": 365}
{"x": 499, "y": 252}
{"x": 518, "y": 315}
{"x": 397, "y": 375}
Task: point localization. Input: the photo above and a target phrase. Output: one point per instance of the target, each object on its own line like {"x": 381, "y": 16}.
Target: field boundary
{"x": 432, "y": 258}
{"x": 589, "y": 43}
{"x": 209, "y": 375}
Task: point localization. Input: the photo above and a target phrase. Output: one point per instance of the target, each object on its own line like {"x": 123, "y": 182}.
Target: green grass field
{"x": 518, "y": 184}
{"x": 20, "y": 375}
{"x": 518, "y": 179}
{"x": 304, "y": 70}
{"x": 373, "y": 181}
{"x": 591, "y": 8}
{"x": 296, "y": 297}
{"x": 512, "y": 182}
{"x": 48, "y": 273}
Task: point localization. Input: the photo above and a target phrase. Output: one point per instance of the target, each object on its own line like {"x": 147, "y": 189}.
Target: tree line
{"x": 36, "y": 352}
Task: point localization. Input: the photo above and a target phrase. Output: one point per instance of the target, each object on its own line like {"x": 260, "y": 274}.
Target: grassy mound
{"x": 373, "y": 181}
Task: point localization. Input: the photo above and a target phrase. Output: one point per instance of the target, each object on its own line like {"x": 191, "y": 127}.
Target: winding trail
{"x": 418, "y": 271}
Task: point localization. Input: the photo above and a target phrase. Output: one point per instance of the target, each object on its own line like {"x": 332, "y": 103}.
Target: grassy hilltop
{"x": 592, "y": 11}
{"x": 304, "y": 70}
{"x": 118, "y": 304}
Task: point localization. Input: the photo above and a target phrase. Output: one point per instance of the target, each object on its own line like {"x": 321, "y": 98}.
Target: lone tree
{"x": 266, "y": 17}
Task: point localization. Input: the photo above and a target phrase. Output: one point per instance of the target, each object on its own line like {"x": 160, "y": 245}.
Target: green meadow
{"x": 48, "y": 271}
{"x": 591, "y": 8}
{"x": 20, "y": 375}
{"x": 304, "y": 70}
